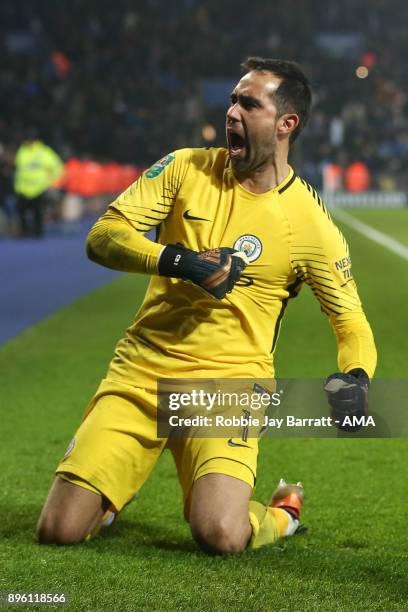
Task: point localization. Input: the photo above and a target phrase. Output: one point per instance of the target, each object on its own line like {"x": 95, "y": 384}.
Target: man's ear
{"x": 287, "y": 124}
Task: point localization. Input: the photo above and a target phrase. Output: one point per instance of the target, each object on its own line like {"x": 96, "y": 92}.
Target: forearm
{"x": 355, "y": 342}
{"x": 114, "y": 243}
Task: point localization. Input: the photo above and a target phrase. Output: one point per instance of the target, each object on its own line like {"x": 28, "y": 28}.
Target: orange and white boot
{"x": 289, "y": 497}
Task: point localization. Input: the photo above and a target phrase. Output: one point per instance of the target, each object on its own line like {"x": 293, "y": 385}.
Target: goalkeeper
{"x": 238, "y": 234}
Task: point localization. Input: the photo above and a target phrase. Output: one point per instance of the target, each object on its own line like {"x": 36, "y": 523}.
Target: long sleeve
{"x": 117, "y": 239}
{"x": 325, "y": 265}
{"x": 356, "y": 347}
{"x": 114, "y": 243}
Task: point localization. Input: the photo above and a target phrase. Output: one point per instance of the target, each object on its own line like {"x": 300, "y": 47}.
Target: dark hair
{"x": 293, "y": 94}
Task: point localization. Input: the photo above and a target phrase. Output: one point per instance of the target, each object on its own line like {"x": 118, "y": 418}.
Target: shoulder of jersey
{"x": 304, "y": 195}
{"x": 208, "y": 157}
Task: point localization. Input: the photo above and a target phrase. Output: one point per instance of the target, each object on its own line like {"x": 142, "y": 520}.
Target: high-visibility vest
{"x": 37, "y": 168}
{"x": 357, "y": 177}
{"x": 332, "y": 177}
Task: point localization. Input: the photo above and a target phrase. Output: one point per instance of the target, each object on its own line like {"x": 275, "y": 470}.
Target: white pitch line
{"x": 369, "y": 232}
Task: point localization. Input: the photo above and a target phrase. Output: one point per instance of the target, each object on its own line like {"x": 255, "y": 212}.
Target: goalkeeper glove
{"x": 215, "y": 271}
{"x": 347, "y": 395}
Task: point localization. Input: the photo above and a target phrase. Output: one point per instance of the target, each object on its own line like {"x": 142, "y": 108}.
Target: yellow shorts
{"x": 116, "y": 447}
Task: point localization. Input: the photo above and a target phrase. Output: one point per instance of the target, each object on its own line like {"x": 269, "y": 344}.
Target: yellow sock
{"x": 268, "y": 524}
{"x": 107, "y": 519}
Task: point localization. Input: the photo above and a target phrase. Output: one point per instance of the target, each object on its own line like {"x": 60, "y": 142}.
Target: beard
{"x": 255, "y": 158}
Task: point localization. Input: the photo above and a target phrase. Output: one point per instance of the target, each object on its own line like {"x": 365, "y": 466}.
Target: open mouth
{"x": 237, "y": 145}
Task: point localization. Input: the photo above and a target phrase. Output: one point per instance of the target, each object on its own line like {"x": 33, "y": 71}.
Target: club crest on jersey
{"x": 159, "y": 166}
{"x": 250, "y": 245}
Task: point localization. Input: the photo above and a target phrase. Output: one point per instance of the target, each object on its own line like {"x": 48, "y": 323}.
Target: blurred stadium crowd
{"x": 130, "y": 81}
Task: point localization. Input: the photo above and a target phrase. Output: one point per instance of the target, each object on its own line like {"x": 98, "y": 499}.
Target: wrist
{"x": 171, "y": 262}
{"x": 361, "y": 376}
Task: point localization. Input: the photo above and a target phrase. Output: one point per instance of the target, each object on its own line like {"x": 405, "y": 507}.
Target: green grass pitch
{"x": 354, "y": 556}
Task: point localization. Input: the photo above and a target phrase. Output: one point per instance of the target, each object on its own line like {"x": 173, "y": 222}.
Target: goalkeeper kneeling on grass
{"x": 238, "y": 235}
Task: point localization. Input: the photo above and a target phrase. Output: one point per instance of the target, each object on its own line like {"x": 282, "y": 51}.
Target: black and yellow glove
{"x": 215, "y": 271}
{"x": 348, "y": 397}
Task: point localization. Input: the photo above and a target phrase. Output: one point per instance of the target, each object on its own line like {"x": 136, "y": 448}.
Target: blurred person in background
{"x": 37, "y": 167}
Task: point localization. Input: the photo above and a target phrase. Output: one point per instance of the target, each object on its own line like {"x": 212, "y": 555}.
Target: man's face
{"x": 251, "y": 121}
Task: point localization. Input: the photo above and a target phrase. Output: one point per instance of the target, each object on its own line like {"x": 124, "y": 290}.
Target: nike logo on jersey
{"x": 186, "y": 215}
{"x": 232, "y": 443}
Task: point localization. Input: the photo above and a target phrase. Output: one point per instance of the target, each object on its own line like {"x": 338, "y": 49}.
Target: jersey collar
{"x": 284, "y": 185}
{"x": 281, "y": 188}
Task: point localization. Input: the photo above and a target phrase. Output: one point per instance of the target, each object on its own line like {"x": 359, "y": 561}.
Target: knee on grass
{"x": 60, "y": 531}
{"x": 219, "y": 537}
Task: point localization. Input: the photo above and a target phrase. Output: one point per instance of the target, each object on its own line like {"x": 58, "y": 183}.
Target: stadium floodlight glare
{"x": 362, "y": 72}
{"x": 209, "y": 132}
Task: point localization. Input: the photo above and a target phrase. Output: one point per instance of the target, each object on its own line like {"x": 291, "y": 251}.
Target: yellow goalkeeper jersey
{"x": 192, "y": 197}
